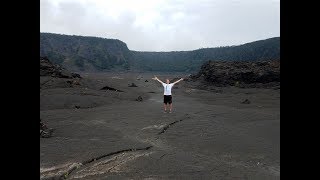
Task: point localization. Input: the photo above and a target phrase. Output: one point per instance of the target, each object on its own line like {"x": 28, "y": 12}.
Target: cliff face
{"x": 81, "y": 53}
{"x": 78, "y": 53}
{"x": 240, "y": 73}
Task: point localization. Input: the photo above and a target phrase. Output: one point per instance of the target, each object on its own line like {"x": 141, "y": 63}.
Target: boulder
{"x": 133, "y": 85}
{"x": 246, "y": 101}
{"x": 45, "y": 132}
{"x": 139, "y": 99}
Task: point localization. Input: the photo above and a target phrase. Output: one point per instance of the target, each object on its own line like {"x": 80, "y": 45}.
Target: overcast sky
{"x": 164, "y": 25}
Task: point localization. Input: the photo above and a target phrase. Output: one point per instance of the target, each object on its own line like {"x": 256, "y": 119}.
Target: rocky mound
{"x": 47, "y": 68}
{"x": 240, "y": 73}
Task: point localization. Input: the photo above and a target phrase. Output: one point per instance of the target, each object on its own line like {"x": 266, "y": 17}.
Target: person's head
{"x": 168, "y": 81}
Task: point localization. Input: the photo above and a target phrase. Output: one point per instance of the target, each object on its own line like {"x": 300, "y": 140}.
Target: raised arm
{"x": 178, "y": 81}
{"x": 155, "y": 78}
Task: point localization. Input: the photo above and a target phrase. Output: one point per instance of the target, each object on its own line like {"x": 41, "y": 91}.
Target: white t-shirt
{"x": 167, "y": 88}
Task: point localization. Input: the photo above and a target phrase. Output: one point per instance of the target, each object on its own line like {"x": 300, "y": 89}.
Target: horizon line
{"x": 162, "y": 51}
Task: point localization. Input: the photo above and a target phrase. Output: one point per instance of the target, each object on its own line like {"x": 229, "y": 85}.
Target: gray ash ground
{"x": 211, "y": 134}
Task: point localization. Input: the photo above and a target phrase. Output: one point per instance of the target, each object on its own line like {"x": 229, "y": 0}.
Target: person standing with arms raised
{"x": 167, "y": 95}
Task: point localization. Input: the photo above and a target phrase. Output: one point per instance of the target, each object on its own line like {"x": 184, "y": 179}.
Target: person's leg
{"x": 170, "y": 103}
{"x": 165, "y": 101}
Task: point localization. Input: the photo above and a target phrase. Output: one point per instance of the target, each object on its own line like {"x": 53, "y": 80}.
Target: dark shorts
{"x": 167, "y": 99}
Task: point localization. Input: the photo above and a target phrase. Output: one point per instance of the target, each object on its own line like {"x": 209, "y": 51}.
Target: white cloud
{"x": 164, "y": 25}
